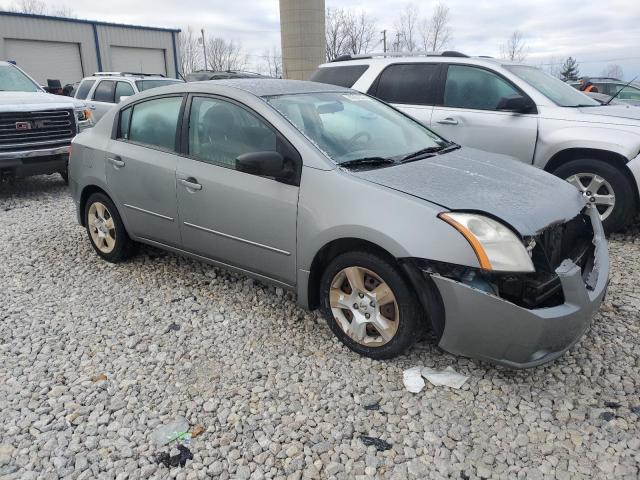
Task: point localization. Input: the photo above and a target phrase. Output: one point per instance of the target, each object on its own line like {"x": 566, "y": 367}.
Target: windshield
{"x": 348, "y": 126}
{"x": 147, "y": 84}
{"x": 13, "y": 80}
{"x": 551, "y": 87}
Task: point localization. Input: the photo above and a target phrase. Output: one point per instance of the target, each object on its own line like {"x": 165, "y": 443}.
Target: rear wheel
{"x": 369, "y": 305}
{"x": 605, "y": 187}
{"x": 106, "y": 230}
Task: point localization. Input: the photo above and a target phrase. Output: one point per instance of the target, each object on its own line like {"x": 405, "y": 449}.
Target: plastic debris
{"x": 174, "y": 327}
{"x": 372, "y": 406}
{"x": 412, "y": 379}
{"x": 447, "y": 377}
{"x": 176, "y": 430}
{"x": 176, "y": 460}
{"x": 380, "y": 445}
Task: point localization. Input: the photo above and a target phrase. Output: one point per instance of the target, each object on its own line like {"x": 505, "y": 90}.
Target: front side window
{"x": 350, "y": 126}
{"x": 220, "y": 131}
{"x": 104, "y": 92}
{"x": 553, "y": 88}
{"x": 413, "y": 84}
{"x": 627, "y": 93}
{"x": 475, "y": 88}
{"x": 13, "y": 80}
{"x": 83, "y": 89}
{"x": 123, "y": 89}
{"x": 153, "y": 123}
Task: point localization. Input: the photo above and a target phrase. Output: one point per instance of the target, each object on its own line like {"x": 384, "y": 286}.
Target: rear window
{"x": 83, "y": 89}
{"x": 414, "y": 84}
{"x": 343, "y": 76}
{"x": 149, "y": 84}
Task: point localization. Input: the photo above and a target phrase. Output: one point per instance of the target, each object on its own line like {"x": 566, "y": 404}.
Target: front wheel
{"x": 606, "y": 187}
{"x": 369, "y": 305}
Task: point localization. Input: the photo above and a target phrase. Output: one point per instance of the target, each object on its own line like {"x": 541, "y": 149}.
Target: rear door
{"x": 141, "y": 168}
{"x": 102, "y": 99}
{"x": 237, "y": 218}
{"x": 412, "y": 87}
{"x": 469, "y": 116}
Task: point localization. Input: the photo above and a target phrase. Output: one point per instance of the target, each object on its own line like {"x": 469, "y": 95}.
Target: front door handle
{"x": 92, "y": 107}
{"x": 116, "y": 161}
{"x": 448, "y": 121}
{"x": 191, "y": 183}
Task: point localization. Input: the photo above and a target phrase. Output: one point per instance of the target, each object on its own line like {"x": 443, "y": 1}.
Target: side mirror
{"x": 515, "y": 103}
{"x": 123, "y": 98}
{"x": 267, "y": 164}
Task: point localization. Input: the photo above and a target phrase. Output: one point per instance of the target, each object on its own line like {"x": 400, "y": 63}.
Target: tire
{"x": 65, "y": 177}
{"x": 402, "y": 316}
{"x": 578, "y": 172}
{"x": 120, "y": 247}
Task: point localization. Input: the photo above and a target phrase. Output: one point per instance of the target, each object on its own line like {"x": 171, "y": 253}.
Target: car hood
{"x": 523, "y": 196}
{"x": 622, "y": 114}
{"x": 30, "y": 101}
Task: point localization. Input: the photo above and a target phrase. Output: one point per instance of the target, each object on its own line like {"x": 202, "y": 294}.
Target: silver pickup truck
{"x": 36, "y": 128}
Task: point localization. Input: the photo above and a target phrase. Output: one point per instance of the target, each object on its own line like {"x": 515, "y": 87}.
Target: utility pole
{"x": 204, "y": 49}
{"x": 384, "y": 40}
{"x": 397, "y": 41}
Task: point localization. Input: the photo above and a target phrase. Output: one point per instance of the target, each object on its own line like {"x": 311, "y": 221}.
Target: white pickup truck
{"x": 513, "y": 109}
{"x": 36, "y": 128}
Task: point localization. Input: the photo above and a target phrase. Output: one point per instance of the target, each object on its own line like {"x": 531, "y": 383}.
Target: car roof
{"x": 129, "y": 77}
{"x": 266, "y": 87}
{"x": 383, "y": 59}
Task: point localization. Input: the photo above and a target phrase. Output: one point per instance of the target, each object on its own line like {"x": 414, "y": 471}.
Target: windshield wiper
{"x": 367, "y": 161}
{"x": 431, "y": 150}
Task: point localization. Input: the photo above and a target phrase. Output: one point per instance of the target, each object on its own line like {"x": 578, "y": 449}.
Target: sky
{"x": 595, "y": 33}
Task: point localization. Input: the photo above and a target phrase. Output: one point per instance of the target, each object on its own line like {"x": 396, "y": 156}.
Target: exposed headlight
{"x": 495, "y": 245}
{"x": 82, "y": 114}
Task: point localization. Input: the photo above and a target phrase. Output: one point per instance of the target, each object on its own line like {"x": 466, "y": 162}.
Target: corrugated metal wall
{"x": 33, "y": 27}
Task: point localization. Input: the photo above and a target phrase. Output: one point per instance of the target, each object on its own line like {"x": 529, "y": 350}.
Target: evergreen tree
{"x": 569, "y": 70}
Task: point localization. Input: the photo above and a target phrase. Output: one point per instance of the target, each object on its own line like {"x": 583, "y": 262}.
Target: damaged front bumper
{"x": 484, "y": 326}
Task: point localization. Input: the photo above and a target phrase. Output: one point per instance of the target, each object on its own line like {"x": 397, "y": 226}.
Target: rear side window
{"x": 152, "y": 123}
{"x": 345, "y": 76}
{"x": 104, "y": 91}
{"x": 414, "y": 84}
{"x": 123, "y": 89}
{"x": 83, "y": 89}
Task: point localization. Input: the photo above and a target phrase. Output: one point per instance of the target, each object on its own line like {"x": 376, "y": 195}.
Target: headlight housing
{"x": 495, "y": 245}
{"x": 83, "y": 114}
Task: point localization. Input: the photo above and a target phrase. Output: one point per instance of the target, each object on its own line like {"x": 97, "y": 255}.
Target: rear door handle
{"x": 116, "y": 161}
{"x": 448, "y": 121}
{"x": 191, "y": 183}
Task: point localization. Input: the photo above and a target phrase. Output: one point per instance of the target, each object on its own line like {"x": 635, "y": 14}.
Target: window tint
{"x": 83, "y": 89}
{"x": 220, "y": 131}
{"x": 148, "y": 84}
{"x": 104, "y": 91}
{"x": 153, "y": 122}
{"x": 344, "y": 76}
{"x": 415, "y": 84}
{"x": 476, "y": 88}
{"x": 123, "y": 89}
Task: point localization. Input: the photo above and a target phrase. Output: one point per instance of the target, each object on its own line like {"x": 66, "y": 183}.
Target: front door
{"x": 243, "y": 220}
{"x": 141, "y": 169}
{"x": 469, "y": 114}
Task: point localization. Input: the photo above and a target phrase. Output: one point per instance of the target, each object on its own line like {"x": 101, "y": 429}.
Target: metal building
{"x": 302, "y": 35}
{"x": 68, "y": 49}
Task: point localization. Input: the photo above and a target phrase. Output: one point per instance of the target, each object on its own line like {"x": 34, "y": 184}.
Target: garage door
{"x": 44, "y": 60}
{"x": 138, "y": 60}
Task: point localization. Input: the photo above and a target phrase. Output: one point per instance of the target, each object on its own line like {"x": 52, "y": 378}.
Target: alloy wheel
{"x": 364, "y": 306}
{"x": 101, "y": 227}
{"x": 596, "y": 190}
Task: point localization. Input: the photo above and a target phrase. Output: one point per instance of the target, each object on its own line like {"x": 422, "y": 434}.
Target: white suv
{"x": 513, "y": 109}
{"x": 105, "y": 89}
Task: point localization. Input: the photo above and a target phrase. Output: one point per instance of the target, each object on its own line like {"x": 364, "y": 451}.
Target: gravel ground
{"x": 89, "y": 367}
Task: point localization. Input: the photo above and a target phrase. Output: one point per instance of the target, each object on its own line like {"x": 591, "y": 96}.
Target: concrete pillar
{"x": 302, "y": 35}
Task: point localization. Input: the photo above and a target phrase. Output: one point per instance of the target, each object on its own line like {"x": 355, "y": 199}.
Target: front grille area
{"x": 33, "y": 130}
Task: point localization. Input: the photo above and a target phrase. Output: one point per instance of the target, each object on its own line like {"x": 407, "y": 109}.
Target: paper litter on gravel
{"x": 414, "y": 383}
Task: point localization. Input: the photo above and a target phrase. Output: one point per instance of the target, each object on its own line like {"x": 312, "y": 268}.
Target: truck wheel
{"x": 369, "y": 305}
{"x": 606, "y": 187}
{"x": 106, "y": 230}
{"x": 65, "y": 177}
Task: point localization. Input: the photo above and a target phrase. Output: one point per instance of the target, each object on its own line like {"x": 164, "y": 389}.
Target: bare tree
{"x": 334, "y": 33}
{"x": 515, "y": 49}
{"x": 613, "y": 70}
{"x": 225, "y": 55}
{"x": 39, "y": 7}
{"x": 553, "y": 66}
{"x": 407, "y": 29}
{"x": 272, "y": 60}
{"x": 190, "y": 51}
{"x": 359, "y": 32}
{"x": 436, "y": 32}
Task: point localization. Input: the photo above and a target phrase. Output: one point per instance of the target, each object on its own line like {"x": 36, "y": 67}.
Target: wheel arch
{"x": 612, "y": 158}
{"x": 87, "y": 191}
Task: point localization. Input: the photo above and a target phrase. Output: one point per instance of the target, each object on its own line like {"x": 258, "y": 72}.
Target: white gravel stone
{"x": 278, "y": 397}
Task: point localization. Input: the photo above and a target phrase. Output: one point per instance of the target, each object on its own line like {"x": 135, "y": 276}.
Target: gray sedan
{"x": 366, "y": 214}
